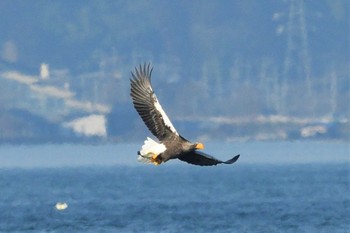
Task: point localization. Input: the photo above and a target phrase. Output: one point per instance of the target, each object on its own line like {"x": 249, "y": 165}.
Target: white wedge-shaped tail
{"x": 149, "y": 149}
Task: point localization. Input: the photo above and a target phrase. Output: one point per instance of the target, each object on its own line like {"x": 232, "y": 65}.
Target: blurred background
{"x": 268, "y": 80}
{"x": 223, "y": 70}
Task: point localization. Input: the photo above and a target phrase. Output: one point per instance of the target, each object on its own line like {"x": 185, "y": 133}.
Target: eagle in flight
{"x": 171, "y": 144}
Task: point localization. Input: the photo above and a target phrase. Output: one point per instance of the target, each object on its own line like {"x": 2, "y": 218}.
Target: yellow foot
{"x": 155, "y": 160}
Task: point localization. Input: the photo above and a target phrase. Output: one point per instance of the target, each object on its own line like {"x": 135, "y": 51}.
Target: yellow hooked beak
{"x": 199, "y": 146}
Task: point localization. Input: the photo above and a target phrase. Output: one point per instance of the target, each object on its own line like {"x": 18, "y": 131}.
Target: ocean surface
{"x": 273, "y": 187}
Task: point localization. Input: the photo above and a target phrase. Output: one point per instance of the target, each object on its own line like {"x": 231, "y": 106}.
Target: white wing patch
{"x": 150, "y": 148}
{"x": 165, "y": 117}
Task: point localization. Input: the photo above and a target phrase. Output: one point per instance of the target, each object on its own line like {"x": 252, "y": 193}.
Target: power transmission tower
{"x": 297, "y": 62}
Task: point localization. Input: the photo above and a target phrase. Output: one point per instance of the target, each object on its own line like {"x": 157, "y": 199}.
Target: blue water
{"x": 246, "y": 197}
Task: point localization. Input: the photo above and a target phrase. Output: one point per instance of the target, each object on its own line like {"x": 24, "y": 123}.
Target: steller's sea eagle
{"x": 171, "y": 144}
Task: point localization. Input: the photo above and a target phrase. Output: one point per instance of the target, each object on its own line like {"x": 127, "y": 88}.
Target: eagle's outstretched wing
{"x": 147, "y": 104}
{"x": 202, "y": 159}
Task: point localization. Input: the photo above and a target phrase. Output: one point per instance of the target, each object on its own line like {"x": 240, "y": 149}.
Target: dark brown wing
{"x": 202, "y": 159}
{"x": 147, "y": 104}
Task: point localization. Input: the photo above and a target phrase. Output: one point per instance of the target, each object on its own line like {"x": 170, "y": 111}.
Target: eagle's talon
{"x": 155, "y": 160}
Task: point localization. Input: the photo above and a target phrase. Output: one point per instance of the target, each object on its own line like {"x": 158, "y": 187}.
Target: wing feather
{"x": 203, "y": 159}
{"x": 147, "y": 104}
